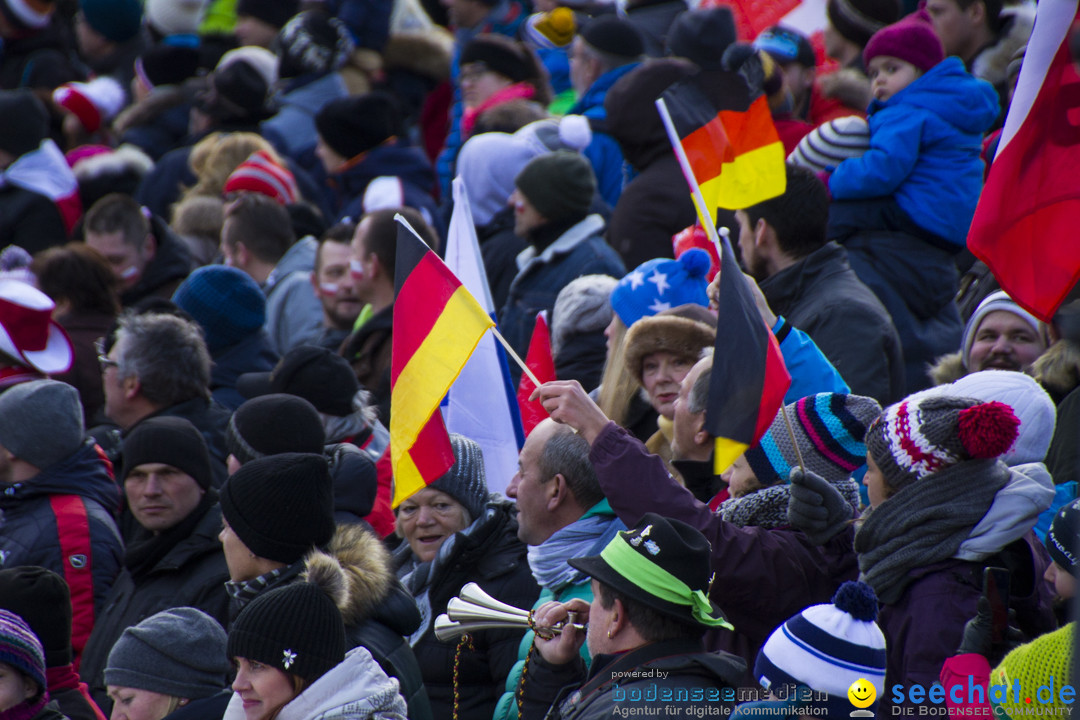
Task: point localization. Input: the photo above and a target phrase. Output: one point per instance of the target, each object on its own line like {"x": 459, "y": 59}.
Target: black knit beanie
{"x": 614, "y": 36}
{"x": 272, "y": 12}
{"x": 500, "y": 54}
{"x": 274, "y": 424}
{"x": 858, "y": 20}
{"x": 167, "y": 65}
{"x": 312, "y": 43}
{"x": 281, "y": 506}
{"x": 171, "y": 441}
{"x": 41, "y": 598}
{"x": 559, "y": 184}
{"x": 24, "y": 122}
{"x": 297, "y": 629}
{"x": 353, "y": 125}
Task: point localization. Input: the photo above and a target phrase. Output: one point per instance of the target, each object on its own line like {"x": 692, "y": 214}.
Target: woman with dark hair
{"x": 497, "y": 70}
{"x": 288, "y": 646}
{"x": 86, "y": 294}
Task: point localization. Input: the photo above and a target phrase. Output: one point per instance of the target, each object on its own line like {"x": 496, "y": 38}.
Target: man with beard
{"x": 809, "y": 282}
{"x": 335, "y": 286}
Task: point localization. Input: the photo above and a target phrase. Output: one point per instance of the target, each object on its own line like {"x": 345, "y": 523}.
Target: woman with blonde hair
{"x": 215, "y": 157}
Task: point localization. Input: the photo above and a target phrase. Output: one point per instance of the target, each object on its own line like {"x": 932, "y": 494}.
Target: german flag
{"x": 729, "y": 138}
{"x": 748, "y": 380}
{"x": 437, "y": 325}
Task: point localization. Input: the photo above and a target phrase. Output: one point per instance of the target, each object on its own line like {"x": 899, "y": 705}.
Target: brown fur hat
{"x": 663, "y": 332}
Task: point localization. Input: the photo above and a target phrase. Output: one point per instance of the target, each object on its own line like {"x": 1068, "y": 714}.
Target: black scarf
{"x": 146, "y": 549}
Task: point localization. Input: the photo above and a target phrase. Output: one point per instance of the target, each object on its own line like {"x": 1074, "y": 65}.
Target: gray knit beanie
{"x": 466, "y": 481}
{"x": 178, "y": 652}
{"x": 583, "y": 306}
{"x": 926, "y": 433}
{"x": 41, "y": 422}
{"x": 559, "y": 184}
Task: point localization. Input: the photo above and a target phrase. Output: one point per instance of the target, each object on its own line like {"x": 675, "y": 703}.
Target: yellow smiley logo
{"x": 862, "y": 693}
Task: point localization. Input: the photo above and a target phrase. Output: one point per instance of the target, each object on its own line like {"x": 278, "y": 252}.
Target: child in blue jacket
{"x": 922, "y": 174}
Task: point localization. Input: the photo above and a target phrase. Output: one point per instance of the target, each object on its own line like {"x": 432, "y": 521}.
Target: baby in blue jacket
{"x": 922, "y": 174}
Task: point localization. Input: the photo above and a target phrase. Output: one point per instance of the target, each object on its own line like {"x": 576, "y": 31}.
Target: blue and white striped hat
{"x": 828, "y": 648}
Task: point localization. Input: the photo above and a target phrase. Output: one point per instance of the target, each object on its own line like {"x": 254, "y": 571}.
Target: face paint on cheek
{"x": 356, "y": 269}
{"x": 328, "y": 289}
{"x": 129, "y": 272}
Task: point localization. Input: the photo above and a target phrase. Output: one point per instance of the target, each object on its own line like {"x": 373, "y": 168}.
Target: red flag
{"x": 1024, "y": 227}
{"x": 540, "y": 361}
{"x": 749, "y": 379}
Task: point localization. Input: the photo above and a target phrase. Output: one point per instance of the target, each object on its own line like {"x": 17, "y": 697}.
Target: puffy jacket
{"x": 924, "y": 150}
{"x": 821, "y": 296}
{"x": 192, "y": 574}
{"x": 62, "y": 520}
{"x": 30, "y": 220}
{"x": 377, "y": 610}
{"x": 489, "y": 553}
{"x": 354, "y": 689}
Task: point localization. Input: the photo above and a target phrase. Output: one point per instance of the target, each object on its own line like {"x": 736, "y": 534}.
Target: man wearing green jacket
{"x": 561, "y": 514}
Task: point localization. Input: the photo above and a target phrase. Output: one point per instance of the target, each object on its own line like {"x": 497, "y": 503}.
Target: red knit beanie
{"x": 912, "y": 40}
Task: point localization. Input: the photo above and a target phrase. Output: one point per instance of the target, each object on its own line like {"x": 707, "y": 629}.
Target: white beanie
{"x": 1032, "y": 405}
{"x": 174, "y": 17}
{"x": 994, "y": 301}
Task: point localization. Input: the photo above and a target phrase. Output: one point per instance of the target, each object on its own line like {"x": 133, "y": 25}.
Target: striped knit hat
{"x": 262, "y": 174}
{"x": 20, "y": 648}
{"x": 924, "y": 434}
{"x": 828, "y": 648}
{"x": 829, "y": 429}
{"x": 830, "y": 144}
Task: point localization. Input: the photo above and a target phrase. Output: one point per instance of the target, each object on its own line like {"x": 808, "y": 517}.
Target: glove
{"x": 978, "y": 635}
{"x": 816, "y": 507}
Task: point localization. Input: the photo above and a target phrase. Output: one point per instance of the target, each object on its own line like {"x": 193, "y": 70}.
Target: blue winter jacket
{"x": 924, "y": 150}
{"x": 603, "y": 152}
{"x": 292, "y": 131}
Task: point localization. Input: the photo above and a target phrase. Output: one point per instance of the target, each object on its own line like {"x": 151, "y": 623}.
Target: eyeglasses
{"x": 103, "y": 358}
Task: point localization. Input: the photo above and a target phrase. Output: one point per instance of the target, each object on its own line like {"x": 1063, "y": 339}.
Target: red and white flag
{"x": 1025, "y": 227}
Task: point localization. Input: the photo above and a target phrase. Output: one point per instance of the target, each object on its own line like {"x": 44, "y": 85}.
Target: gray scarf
{"x": 581, "y": 538}
{"x": 767, "y": 507}
{"x": 924, "y": 523}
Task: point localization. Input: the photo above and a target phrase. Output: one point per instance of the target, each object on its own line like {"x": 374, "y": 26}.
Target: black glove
{"x": 978, "y": 635}
{"x": 816, "y": 507}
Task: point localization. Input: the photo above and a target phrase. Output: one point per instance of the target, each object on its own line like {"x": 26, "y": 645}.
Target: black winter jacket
{"x": 192, "y": 574}
{"x": 638, "y": 681}
{"x": 488, "y": 553}
{"x": 822, "y": 296}
{"x": 34, "y": 531}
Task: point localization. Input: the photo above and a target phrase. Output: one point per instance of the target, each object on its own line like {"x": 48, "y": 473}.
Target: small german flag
{"x": 749, "y": 379}
{"x": 437, "y": 325}
{"x": 731, "y": 143}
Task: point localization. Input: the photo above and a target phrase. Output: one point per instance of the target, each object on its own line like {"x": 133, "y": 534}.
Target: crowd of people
{"x": 198, "y": 203}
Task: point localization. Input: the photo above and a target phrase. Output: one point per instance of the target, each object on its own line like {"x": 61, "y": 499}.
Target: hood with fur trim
{"x": 426, "y": 53}
{"x": 365, "y": 563}
{"x": 947, "y": 368}
{"x": 992, "y": 64}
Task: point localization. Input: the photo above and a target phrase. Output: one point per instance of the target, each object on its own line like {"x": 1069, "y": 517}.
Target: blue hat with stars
{"x": 661, "y": 284}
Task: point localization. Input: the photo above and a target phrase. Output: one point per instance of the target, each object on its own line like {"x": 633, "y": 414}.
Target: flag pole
{"x": 704, "y": 213}
{"x": 791, "y": 433}
{"x": 517, "y": 358}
